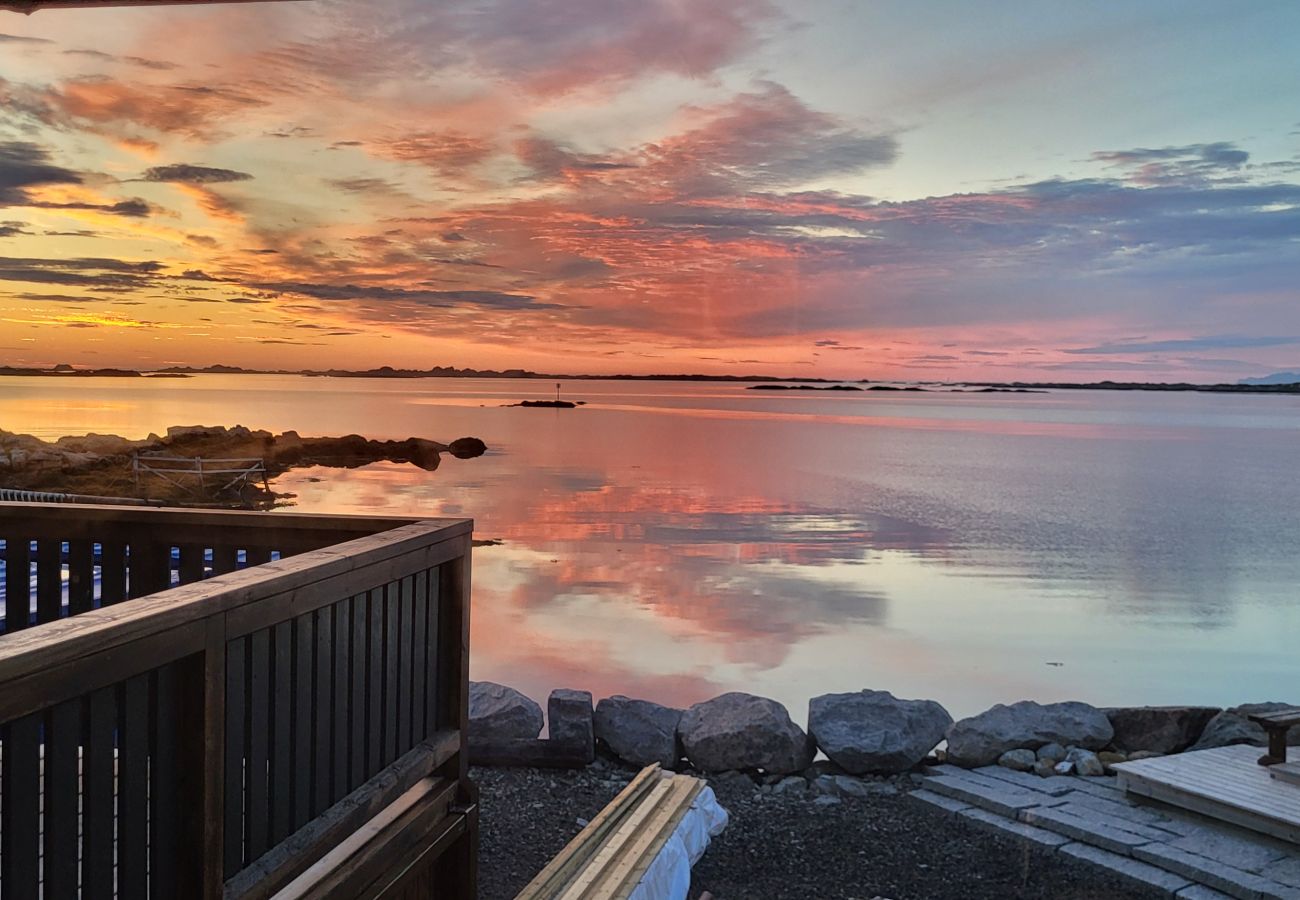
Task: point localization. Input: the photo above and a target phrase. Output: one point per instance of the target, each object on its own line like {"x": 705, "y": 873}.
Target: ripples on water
{"x": 676, "y": 540}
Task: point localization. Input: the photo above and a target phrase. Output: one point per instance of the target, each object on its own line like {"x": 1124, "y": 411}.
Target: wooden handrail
{"x": 35, "y": 649}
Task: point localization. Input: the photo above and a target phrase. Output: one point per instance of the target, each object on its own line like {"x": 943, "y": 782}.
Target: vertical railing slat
{"x": 20, "y": 789}
{"x": 62, "y": 790}
{"x": 49, "y": 580}
{"x": 133, "y": 788}
{"x": 392, "y": 684}
{"x": 81, "y": 576}
{"x": 236, "y": 712}
{"x": 358, "y": 703}
{"x": 418, "y": 639}
{"x": 375, "y": 683}
{"x": 341, "y": 721}
{"x": 98, "y": 819}
{"x": 281, "y": 731}
{"x": 322, "y": 710}
{"x": 432, "y": 709}
{"x": 112, "y": 572}
{"x": 225, "y": 558}
{"x": 304, "y": 671}
{"x": 257, "y": 803}
{"x": 164, "y": 826}
{"x": 405, "y": 601}
{"x": 18, "y": 582}
{"x": 191, "y": 563}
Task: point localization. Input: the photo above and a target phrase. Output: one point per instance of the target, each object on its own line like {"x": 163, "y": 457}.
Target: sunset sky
{"x": 945, "y": 190}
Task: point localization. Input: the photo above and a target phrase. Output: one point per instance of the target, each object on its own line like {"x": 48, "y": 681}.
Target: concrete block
{"x": 1229, "y": 849}
{"x": 1203, "y": 870}
{"x": 995, "y": 796}
{"x": 1201, "y": 892}
{"x": 992, "y": 821}
{"x": 1084, "y": 827}
{"x": 1054, "y": 786}
{"x": 938, "y": 801}
{"x": 1130, "y": 870}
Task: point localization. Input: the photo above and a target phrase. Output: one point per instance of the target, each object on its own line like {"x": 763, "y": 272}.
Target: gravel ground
{"x": 785, "y": 846}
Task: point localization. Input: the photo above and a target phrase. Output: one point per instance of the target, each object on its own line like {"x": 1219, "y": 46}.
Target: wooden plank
{"x": 565, "y": 865}
{"x": 256, "y": 556}
{"x": 18, "y": 582}
{"x": 363, "y": 855}
{"x": 1224, "y": 783}
{"x": 112, "y": 572}
{"x": 257, "y": 805}
{"x": 650, "y": 840}
{"x": 292, "y": 586}
{"x": 309, "y": 844}
{"x": 322, "y": 719}
{"x": 606, "y": 858}
{"x": 98, "y": 793}
{"x": 404, "y": 634}
{"x": 133, "y": 788}
{"x": 81, "y": 577}
{"x": 1288, "y": 772}
{"x": 340, "y": 723}
{"x": 375, "y": 683}
{"x": 62, "y": 795}
{"x": 225, "y": 558}
{"x": 282, "y": 725}
{"x": 20, "y": 786}
{"x": 422, "y": 678}
{"x": 192, "y": 563}
{"x": 203, "y": 767}
{"x": 528, "y": 753}
{"x": 164, "y": 784}
{"x": 392, "y": 686}
{"x": 236, "y": 712}
{"x": 49, "y": 580}
{"x": 148, "y": 567}
{"x": 358, "y": 700}
{"x": 436, "y": 669}
{"x": 304, "y": 670}
{"x": 414, "y": 873}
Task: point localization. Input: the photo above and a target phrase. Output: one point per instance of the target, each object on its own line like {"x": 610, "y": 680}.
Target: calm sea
{"x": 673, "y": 541}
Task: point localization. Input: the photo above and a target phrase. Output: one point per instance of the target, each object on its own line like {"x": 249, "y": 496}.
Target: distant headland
{"x": 1269, "y": 385}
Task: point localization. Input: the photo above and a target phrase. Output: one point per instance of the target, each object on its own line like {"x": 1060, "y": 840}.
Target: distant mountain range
{"x": 1275, "y": 378}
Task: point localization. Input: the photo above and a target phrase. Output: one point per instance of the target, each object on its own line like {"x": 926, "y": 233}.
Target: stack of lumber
{"x": 610, "y": 858}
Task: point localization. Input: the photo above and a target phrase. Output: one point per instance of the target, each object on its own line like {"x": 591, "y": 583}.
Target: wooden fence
{"x": 208, "y": 704}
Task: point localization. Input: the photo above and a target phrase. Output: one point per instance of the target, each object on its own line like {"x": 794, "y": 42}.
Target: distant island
{"x": 1267, "y": 385}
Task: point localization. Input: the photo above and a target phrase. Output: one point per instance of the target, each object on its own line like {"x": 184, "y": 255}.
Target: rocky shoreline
{"x": 863, "y": 734}
{"x": 100, "y": 464}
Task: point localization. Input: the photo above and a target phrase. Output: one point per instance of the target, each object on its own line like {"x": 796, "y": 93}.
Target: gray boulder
{"x": 1163, "y": 729}
{"x": 1085, "y": 762}
{"x": 981, "y": 739}
{"x": 1053, "y": 753}
{"x": 874, "y": 731}
{"x": 569, "y": 717}
{"x": 1018, "y": 760}
{"x": 741, "y": 731}
{"x": 638, "y": 731}
{"x": 1232, "y": 727}
{"x": 497, "y": 712}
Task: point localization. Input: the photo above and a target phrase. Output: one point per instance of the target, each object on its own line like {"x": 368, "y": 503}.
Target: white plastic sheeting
{"x": 669, "y": 875}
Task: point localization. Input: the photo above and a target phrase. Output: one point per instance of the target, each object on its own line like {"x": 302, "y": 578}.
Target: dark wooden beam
{"x": 27, "y": 7}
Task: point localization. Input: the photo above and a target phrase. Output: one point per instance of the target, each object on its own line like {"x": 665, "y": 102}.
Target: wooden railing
{"x": 233, "y": 704}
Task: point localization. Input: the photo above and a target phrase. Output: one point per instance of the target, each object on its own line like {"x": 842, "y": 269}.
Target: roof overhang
{"x": 30, "y": 6}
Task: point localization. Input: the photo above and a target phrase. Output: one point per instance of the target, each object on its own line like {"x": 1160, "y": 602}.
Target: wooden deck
{"x": 1225, "y": 783}
{"x": 221, "y": 705}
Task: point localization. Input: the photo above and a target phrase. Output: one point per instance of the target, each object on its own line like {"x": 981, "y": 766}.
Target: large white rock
{"x": 499, "y": 712}
{"x": 742, "y": 732}
{"x": 874, "y": 731}
{"x": 638, "y": 731}
{"x": 981, "y": 739}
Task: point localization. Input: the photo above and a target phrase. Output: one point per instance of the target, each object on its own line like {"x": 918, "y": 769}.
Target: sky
{"x": 837, "y": 188}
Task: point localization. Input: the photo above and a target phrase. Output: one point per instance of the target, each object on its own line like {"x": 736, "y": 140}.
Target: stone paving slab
{"x": 1188, "y": 856}
{"x": 1201, "y": 892}
{"x": 1229, "y": 879}
{"x": 1090, "y": 829}
{"x": 998, "y": 797}
{"x": 1055, "y": 785}
{"x": 1129, "y": 869}
{"x": 938, "y": 801}
{"x": 1011, "y": 828}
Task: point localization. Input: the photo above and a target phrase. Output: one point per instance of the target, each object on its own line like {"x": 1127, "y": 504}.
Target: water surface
{"x": 675, "y": 540}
